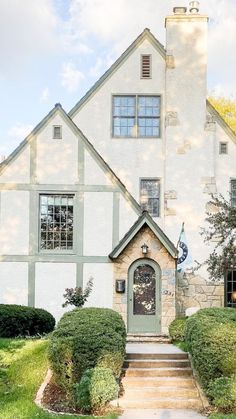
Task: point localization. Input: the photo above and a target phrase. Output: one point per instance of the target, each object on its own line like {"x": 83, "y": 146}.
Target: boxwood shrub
{"x": 177, "y": 329}
{"x": 222, "y": 391}
{"x": 211, "y": 339}
{"x": 86, "y": 338}
{"x": 16, "y": 320}
{"x": 95, "y": 390}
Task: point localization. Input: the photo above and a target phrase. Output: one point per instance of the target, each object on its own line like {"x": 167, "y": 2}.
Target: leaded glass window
{"x": 150, "y": 196}
{"x": 233, "y": 192}
{"x": 144, "y": 291}
{"x": 230, "y": 289}
{"x": 136, "y": 116}
{"x": 56, "y": 222}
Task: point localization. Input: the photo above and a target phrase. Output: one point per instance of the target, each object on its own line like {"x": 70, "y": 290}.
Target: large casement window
{"x": 230, "y": 289}
{"x": 136, "y": 116}
{"x": 150, "y": 196}
{"x": 233, "y": 192}
{"x": 56, "y": 222}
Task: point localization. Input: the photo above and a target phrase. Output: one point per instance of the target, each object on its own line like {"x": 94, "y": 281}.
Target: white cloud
{"x": 44, "y": 95}
{"x": 71, "y": 77}
{"x": 20, "y": 131}
{"x": 27, "y": 29}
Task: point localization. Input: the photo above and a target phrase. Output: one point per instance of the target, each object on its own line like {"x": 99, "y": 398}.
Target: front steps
{"x": 147, "y": 338}
{"x": 158, "y": 381}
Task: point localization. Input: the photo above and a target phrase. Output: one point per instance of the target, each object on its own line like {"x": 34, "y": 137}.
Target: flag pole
{"x": 182, "y": 230}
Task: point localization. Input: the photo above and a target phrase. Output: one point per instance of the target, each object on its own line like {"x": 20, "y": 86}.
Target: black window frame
{"x": 146, "y": 206}
{"x": 230, "y": 288}
{"x": 233, "y": 192}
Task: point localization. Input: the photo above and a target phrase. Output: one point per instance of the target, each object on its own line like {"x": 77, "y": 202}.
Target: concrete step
{"x": 156, "y": 356}
{"x": 160, "y": 403}
{"x": 157, "y": 372}
{"x": 165, "y": 363}
{"x": 147, "y": 338}
{"x": 143, "y": 382}
{"x": 158, "y": 392}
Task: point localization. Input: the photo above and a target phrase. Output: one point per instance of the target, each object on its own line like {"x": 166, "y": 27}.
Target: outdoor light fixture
{"x": 194, "y": 6}
{"x": 120, "y": 286}
{"x": 144, "y": 248}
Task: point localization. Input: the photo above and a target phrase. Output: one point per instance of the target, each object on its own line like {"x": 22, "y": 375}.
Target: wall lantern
{"x": 120, "y": 286}
{"x": 144, "y": 248}
{"x": 194, "y": 6}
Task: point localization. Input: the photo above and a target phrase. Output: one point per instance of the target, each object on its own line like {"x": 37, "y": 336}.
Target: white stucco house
{"x": 136, "y": 157}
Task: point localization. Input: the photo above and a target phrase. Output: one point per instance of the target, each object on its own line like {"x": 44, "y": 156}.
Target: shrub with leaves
{"x": 222, "y": 391}
{"x": 177, "y": 329}
{"x": 76, "y": 296}
{"x": 96, "y": 389}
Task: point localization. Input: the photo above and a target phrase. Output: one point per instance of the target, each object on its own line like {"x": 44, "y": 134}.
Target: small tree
{"x": 222, "y": 229}
{"x": 76, "y": 296}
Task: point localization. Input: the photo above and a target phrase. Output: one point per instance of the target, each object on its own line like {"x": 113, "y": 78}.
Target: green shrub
{"x": 211, "y": 338}
{"x": 96, "y": 388}
{"x": 18, "y": 320}
{"x": 177, "y": 329}
{"x": 86, "y": 338}
{"x": 222, "y": 391}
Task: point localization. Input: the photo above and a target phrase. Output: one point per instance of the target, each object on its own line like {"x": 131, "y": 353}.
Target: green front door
{"x": 144, "y": 303}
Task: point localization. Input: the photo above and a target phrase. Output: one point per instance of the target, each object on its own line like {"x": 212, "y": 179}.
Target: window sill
{"x": 135, "y": 138}
{"x": 56, "y": 252}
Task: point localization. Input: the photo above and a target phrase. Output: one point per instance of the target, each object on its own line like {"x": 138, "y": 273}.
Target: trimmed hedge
{"x": 86, "y": 338}
{"x": 177, "y": 329}
{"x": 16, "y": 320}
{"x": 223, "y": 392}
{"x": 96, "y": 389}
{"x": 211, "y": 339}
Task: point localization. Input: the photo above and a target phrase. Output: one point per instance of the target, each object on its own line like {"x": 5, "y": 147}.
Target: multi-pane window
{"x": 56, "y": 222}
{"x": 136, "y": 116}
{"x": 145, "y": 66}
{"x": 150, "y": 196}
{"x": 230, "y": 289}
{"x": 223, "y": 148}
{"x": 233, "y": 192}
{"x": 57, "y": 132}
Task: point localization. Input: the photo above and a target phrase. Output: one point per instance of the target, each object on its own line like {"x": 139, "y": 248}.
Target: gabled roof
{"x": 212, "y": 110}
{"x": 144, "y": 219}
{"x": 146, "y": 34}
{"x": 58, "y": 109}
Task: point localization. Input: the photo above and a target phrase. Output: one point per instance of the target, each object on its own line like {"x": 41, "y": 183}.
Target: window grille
{"x": 223, "y": 148}
{"x": 150, "y": 196}
{"x": 233, "y": 192}
{"x": 230, "y": 289}
{"x": 57, "y": 132}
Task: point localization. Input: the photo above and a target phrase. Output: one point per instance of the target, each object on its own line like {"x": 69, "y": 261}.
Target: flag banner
{"x": 185, "y": 260}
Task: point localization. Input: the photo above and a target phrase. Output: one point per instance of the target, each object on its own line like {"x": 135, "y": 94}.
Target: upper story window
{"x": 136, "y": 116}
{"x": 150, "y": 196}
{"x": 56, "y": 222}
{"x": 145, "y": 66}
{"x": 57, "y": 132}
{"x": 230, "y": 289}
{"x": 223, "y": 148}
{"x": 233, "y": 192}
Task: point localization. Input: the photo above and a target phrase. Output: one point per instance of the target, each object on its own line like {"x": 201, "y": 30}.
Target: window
{"x": 56, "y": 222}
{"x": 150, "y": 196}
{"x": 230, "y": 289}
{"x": 145, "y": 66}
{"x": 57, "y": 132}
{"x": 136, "y": 116}
{"x": 223, "y": 148}
{"x": 233, "y": 192}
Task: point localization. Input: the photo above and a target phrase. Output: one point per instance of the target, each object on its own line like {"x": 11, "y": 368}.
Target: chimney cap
{"x": 194, "y": 7}
{"x": 179, "y": 10}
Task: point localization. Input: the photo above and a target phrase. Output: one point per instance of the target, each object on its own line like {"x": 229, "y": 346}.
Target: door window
{"x": 144, "y": 291}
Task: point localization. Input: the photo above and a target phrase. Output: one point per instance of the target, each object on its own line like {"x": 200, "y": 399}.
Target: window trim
{"x": 222, "y": 143}
{"x": 55, "y": 251}
{"x": 53, "y": 132}
{"x": 141, "y": 67}
{"x": 136, "y": 137}
{"x": 225, "y": 287}
{"x": 160, "y": 192}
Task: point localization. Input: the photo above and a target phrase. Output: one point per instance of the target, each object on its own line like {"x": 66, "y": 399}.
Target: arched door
{"x": 144, "y": 305}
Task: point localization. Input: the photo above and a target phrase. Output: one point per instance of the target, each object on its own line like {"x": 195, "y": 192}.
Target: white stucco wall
{"x": 98, "y": 213}
{"x": 14, "y": 283}
{"x": 130, "y": 158}
{"x": 18, "y": 171}
{"x": 127, "y": 217}
{"x": 57, "y": 158}
{"x": 93, "y": 174}
{"x": 14, "y": 223}
{"x": 51, "y": 279}
{"x": 102, "y": 292}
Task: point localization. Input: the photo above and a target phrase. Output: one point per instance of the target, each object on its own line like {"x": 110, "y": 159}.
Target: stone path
{"x": 161, "y": 414}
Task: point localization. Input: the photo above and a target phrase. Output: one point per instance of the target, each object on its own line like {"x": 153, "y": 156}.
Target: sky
{"x": 54, "y": 51}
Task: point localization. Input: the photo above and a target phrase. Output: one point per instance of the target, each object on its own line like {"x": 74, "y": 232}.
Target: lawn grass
{"x": 23, "y": 365}
{"x": 221, "y": 416}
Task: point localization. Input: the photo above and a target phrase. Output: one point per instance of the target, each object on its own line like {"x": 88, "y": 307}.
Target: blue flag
{"x": 185, "y": 260}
